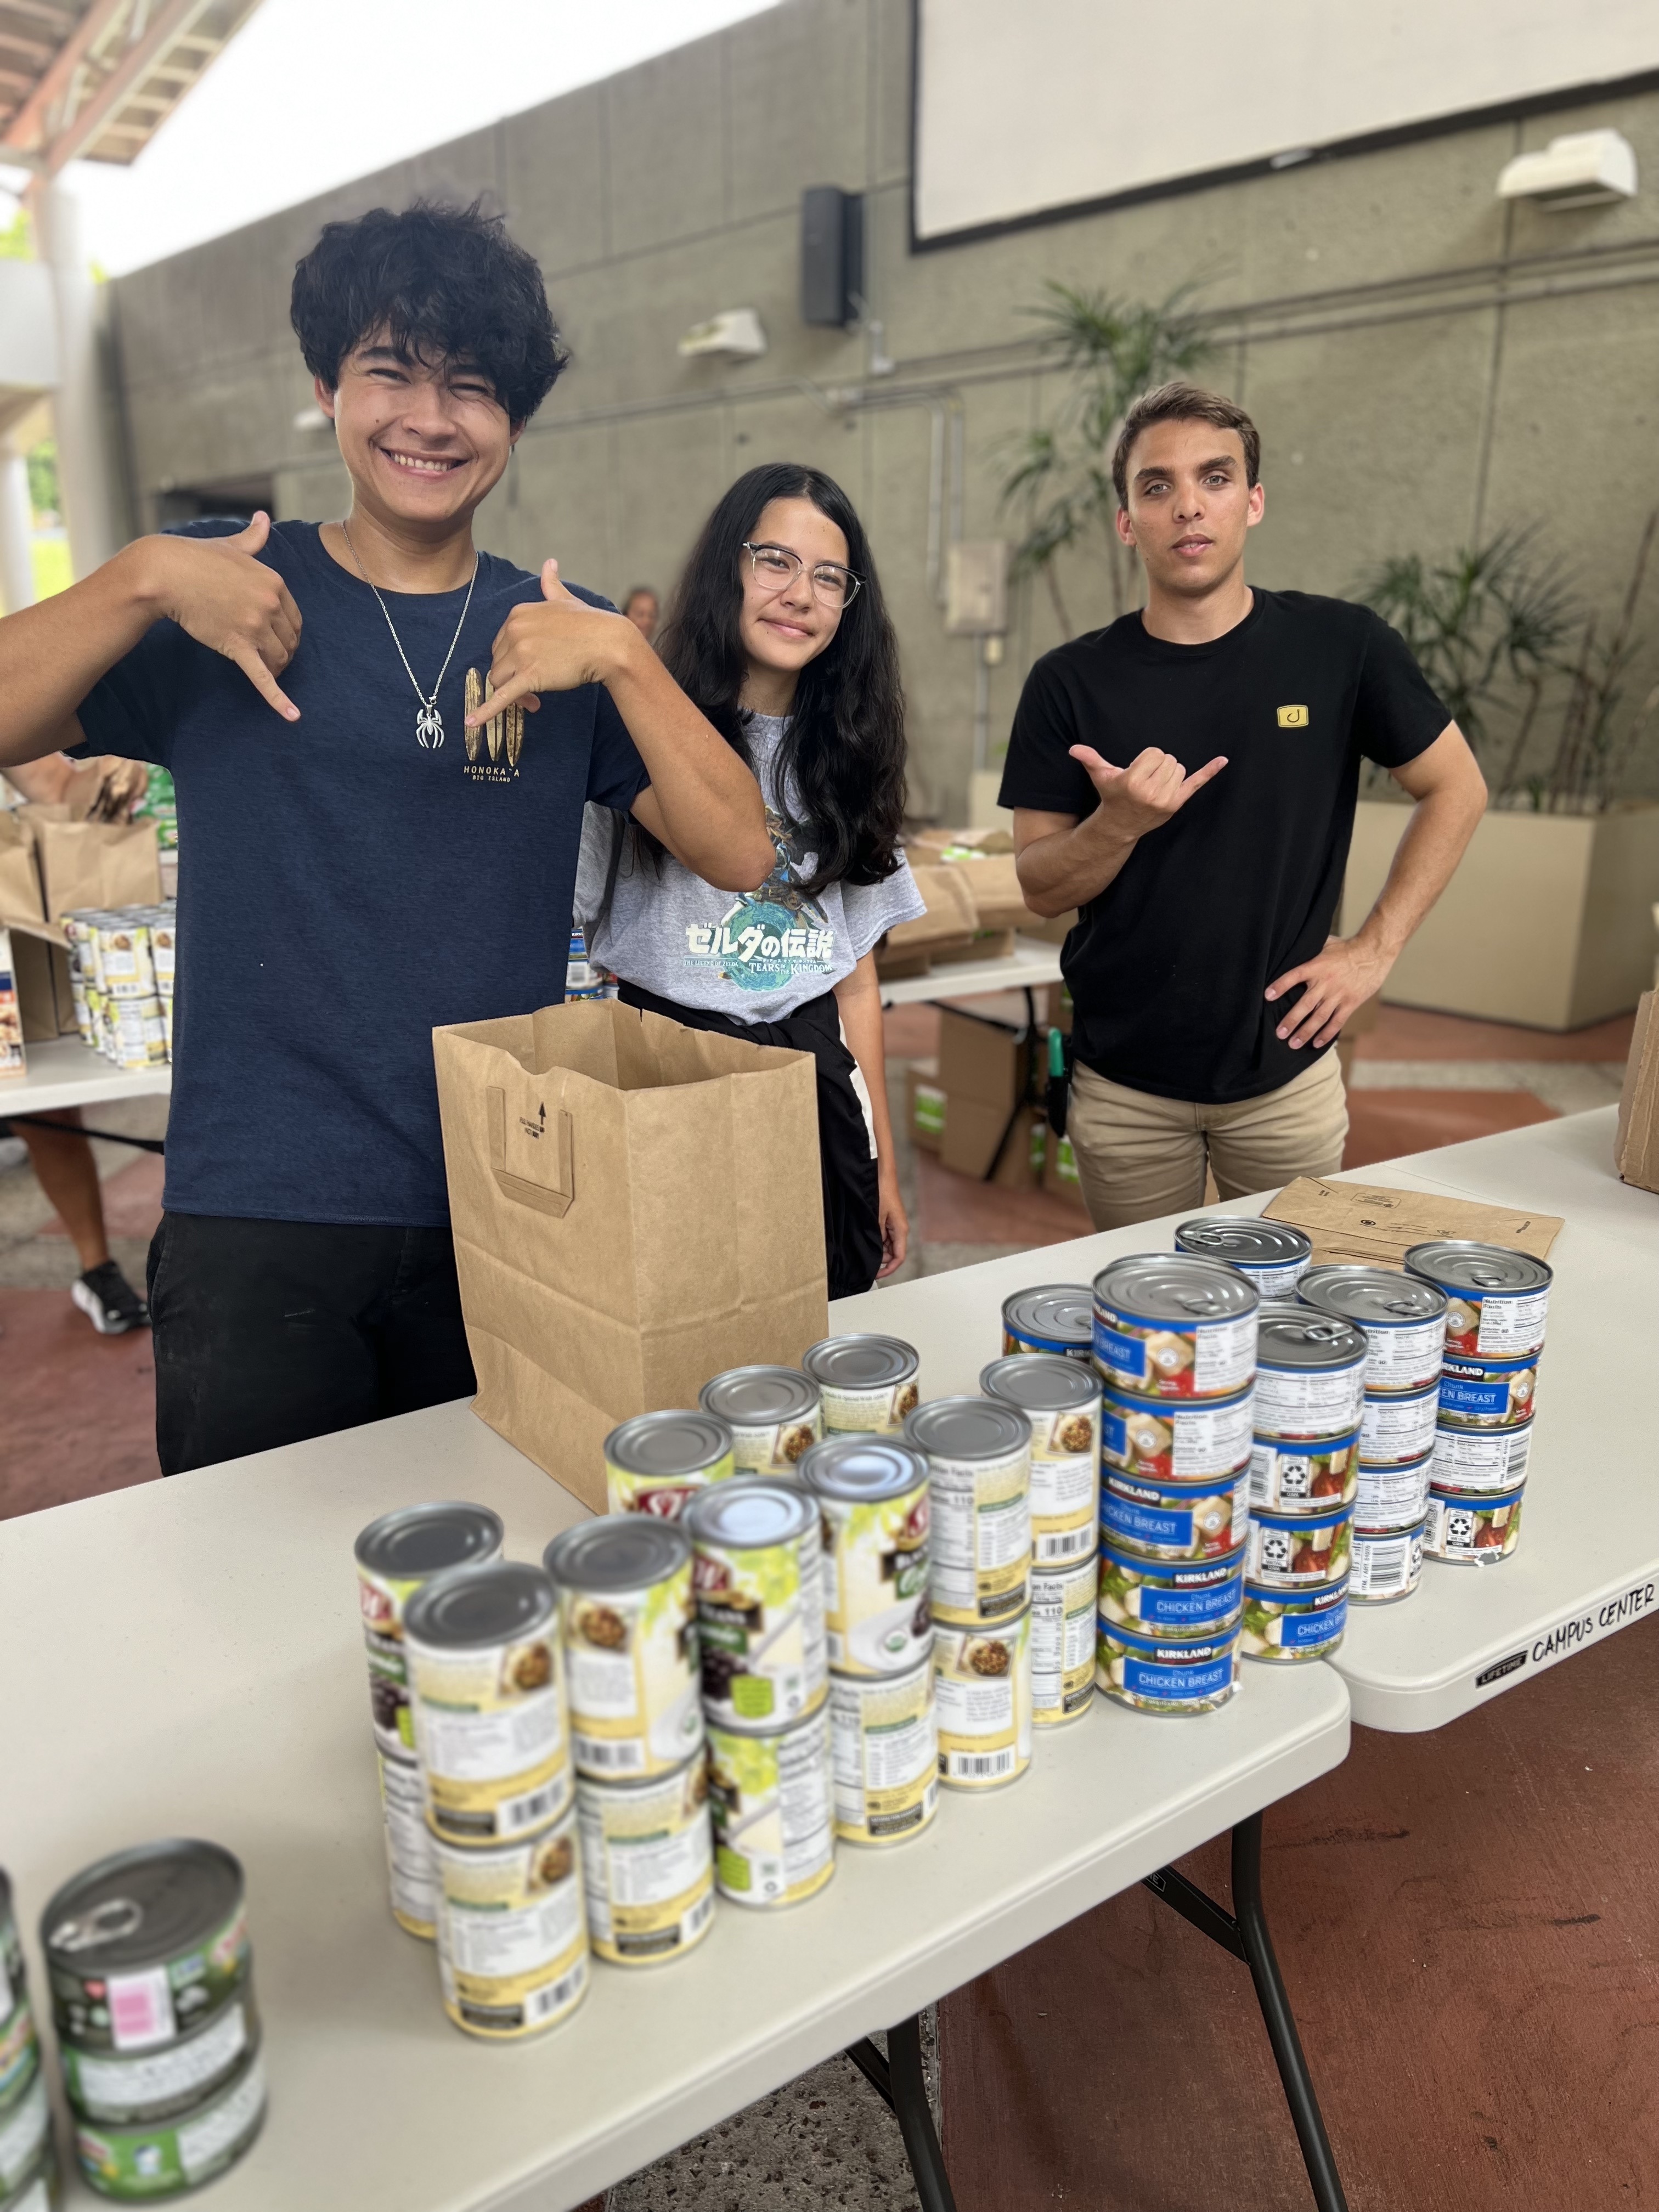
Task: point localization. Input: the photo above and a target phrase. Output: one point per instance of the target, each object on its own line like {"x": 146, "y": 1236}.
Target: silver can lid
{"x": 968, "y": 1428}
{"x": 141, "y": 1907}
{"x": 1176, "y": 1287}
{"x": 673, "y": 1441}
{"x": 861, "y": 1363}
{"x": 1243, "y": 1241}
{"x": 1302, "y": 1337}
{"x": 1040, "y": 1382}
{"x": 418, "y": 1541}
{"x": 750, "y": 1513}
{"x": 759, "y": 1397}
{"x": 1059, "y": 1313}
{"x": 1457, "y": 1263}
{"x": 1376, "y": 1297}
{"x": 623, "y": 1552}
{"x": 472, "y": 1606}
{"x": 863, "y": 1469}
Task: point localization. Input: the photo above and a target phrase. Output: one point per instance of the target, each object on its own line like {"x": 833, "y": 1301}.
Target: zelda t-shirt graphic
{"x": 768, "y": 937}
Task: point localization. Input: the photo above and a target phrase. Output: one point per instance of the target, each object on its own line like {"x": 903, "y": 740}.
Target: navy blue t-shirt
{"x": 342, "y": 893}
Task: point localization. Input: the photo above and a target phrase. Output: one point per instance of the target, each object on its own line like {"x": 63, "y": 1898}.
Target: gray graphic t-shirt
{"x": 755, "y": 956}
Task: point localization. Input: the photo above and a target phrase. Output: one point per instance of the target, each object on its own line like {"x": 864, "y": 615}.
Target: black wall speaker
{"x": 831, "y": 255}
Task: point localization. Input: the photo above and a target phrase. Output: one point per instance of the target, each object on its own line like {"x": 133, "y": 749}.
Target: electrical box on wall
{"x": 976, "y": 587}
{"x": 831, "y": 256}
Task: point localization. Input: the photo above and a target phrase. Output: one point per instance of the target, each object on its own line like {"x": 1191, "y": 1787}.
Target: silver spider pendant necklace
{"x": 429, "y": 722}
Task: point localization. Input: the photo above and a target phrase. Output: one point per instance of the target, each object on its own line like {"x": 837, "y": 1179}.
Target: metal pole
{"x": 78, "y": 403}
{"x": 915, "y": 2120}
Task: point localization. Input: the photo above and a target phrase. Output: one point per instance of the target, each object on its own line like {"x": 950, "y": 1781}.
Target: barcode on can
{"x": 541, "y": 1805}
{"x": 627, "y": 1757}
{"x": 1386, "y": 1564}
{"x": 699, "y": 1914}
{"x": 553, "y": 1996}
{"x": 980, "y": 1766}
{"x": 1068, "y": 1544}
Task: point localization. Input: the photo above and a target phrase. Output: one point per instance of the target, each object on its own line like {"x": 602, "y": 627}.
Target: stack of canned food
{"x": 1497, "y": 1302}
{"x": 152, "y": 1994}
{"x": 121, "y": 977}
{"x": 1304, "y": 1478}
{"x": 582, "y": 980}
{"x": 28, "y": 2164}
{"x": 1175, "y": 1341}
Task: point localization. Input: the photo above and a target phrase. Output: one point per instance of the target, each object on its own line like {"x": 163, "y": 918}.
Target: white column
{"x": 77, "y": 404}
{"x": 17, "y": 530}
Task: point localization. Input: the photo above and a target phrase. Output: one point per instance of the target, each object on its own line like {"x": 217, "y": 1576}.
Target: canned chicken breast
{"x": 1269, "y": 1254}
{"x": 1153, "y": 1677}
{"x": 1310, "y": 1373}
{"x": 647, "y": 1865}
{"x": 1053, "y": 1317}
{"x": 628, "y": 1621}
{"x": 1398, "y": 1427}
{"x": 396, "y": 1555}
{"x": 657, "y": 1462}
{"x": 1471, "y": 1531}
{"x": 1175, "y": 1520}
{"x": 1168, "y": 1325}
{"x": 1302, "y": 1474}
{"x": 873, "y": 1498}
{"x": 1061, "y": 1398}
{"x": 982, "y": 1690}
{"x": 1161, "y": 1440}
{"x": 411, "y": 1868}
{"x": 1481, "y": 1459}
{"x": 1388, "y": 1564}
{"x": 145, "y": 1946}
{"x": 979, "y": 1463}
{"x": 1291, "y": 1550}
{"x": 486, "y": 1684}
{"x": 774, "y": 1414}
{"x": 1499, "y": 1299}
{"x": 512, "y": 1932}
{"x": 770, "y": 1794}
{"x": 867, "y": 1384}
{"x": 1392, "y": 1497}
{"x": 1286, "y": 1627}
{"x": 163, "y": 2157}
{"x": 1403, "y": 1317}
{"x": 1063, "y": 1642}
{"x": 758, "y": 1575}
{"x": 1487, "y": 1394}
{"x": 884, "y": 1742}
{"x": 1170, "y": 1603}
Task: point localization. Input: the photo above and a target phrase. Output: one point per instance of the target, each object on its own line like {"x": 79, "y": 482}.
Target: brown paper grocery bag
{"x": 20, "y": 880}
{"x": 89, "y": 864}
{"x": 636, "y": 1206}
{"x": 1636, "y": 1150}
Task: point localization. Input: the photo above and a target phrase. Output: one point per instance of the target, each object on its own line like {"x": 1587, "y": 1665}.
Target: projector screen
{"x": 1027, "y": 108}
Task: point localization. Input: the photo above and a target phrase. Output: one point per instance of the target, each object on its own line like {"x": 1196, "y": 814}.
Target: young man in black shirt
{"x": 1186, "y": 778}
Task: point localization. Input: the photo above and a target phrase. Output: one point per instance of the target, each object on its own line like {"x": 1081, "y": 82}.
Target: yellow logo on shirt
{"x": 1292, "y": 718}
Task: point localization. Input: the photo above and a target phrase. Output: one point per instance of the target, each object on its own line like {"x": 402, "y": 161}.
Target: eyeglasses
{"x": 777, "y": 568}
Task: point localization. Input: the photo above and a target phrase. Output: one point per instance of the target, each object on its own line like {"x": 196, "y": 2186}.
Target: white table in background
{"x": 185, "y": 1657}
{"x": 1031, "y": 963}
{"x": 67, "y": 1073}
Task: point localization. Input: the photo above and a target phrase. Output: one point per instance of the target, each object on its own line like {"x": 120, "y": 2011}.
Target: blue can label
{"x": 1144, "y": 1679}
{"x": 1120, "y": 1354}
{"x": 1204, "y": 1608}
{"x": 1142, "y": 1524}
{"x": 1299, "y": 1630}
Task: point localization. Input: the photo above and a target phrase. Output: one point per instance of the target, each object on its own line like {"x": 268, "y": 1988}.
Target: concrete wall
{"x": 1425, "y": 364}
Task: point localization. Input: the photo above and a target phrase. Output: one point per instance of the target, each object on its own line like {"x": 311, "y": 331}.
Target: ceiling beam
{"x": 32, "y": 49}
{"x": 165, "y": 24}
{"x": 60, "y": 22}
{"x": 28, "y": 128}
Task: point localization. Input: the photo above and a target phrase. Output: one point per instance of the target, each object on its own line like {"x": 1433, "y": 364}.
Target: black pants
{"x": 852, "y": 1210}
{"x": 269, "y": 1332}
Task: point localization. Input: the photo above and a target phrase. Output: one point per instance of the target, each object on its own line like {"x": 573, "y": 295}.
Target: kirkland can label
{"x": 1164, "y": 1521}
{"x": 1063, "y": 1644}
{"x": 1291, "y": 1628}
{"x": 1472, "y": 1532}
{"x": 1202, "y": 1359}
{"x": 1404, "y": 1355}
{"x": 647, "y": 1865}
{"x": 1293, "y": 1403}
{"x": 1388, "y": 1564}
{"x": 1170, "y": 1604}
{"x": 1163, "y": 1441}
{"x": 1394, "y": 1430}
{"x": 1167, "y": 1678}
{"x": 982, "y": 1688}
{"x": 1475, "y": 1395}
{"x": 884, "y": 1752}
{"x": 1392, "y": 1497}
{"x": 1481, "y": 1459}
{"x": 1296, "y": 1549}
{"x": 770, "y": 1794}
{"x": 1304, "y": 1474}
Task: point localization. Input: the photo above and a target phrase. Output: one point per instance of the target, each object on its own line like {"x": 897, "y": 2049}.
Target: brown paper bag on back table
{"x": 20, "y": 880}
{"x": 636, "y": 1206}
{"x": 90, "y": 864}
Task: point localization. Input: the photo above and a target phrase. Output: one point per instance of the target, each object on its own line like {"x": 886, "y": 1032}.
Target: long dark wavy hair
{"x": 839, "y": 776}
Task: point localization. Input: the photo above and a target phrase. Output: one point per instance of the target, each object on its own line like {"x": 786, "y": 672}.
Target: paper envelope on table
{"x": 636, "y": 1206}
{"x": 1376, "y": 1227}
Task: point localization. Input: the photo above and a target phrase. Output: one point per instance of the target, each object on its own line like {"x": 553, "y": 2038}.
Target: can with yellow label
{"x": 512, "y": 1932}
{"x": 647, "y": 1865}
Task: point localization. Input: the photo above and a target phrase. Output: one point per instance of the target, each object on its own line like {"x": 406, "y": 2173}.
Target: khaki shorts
{"x": 1139, "y": 1156}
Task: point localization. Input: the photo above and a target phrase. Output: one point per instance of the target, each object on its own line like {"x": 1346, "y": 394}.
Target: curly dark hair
{"x": 445, "y": 284}
{"x": 841, "y": 766}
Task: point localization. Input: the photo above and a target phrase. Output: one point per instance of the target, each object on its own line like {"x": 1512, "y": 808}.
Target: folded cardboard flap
{"x": 40, "y": 976}
{"x": 1376, "y": 1227}
{"x": 1636, "y": 1148}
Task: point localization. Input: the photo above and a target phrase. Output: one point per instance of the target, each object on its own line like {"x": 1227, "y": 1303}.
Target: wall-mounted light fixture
{"x": 735, "y": 333}
{"x": 1589, "y": 168}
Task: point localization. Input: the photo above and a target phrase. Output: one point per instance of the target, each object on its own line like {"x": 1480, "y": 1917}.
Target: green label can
{"x": 159, "y": 2159}
{"x": 135, "y": 2091}
{"x": 775, "y": 1840}
{"x": 146, "y": 1946}
{"x": 24, "y": 2133}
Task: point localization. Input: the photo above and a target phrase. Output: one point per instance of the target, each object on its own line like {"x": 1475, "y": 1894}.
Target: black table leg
{"x": 1244, "y": 1933}
{"x": 898, "y": 2080}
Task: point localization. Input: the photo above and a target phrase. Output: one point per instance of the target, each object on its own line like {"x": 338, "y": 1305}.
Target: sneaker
{"x": 109, "y": 1300}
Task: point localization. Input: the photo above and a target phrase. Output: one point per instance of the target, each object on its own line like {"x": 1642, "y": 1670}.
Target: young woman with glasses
{"x": 779, "y": 633}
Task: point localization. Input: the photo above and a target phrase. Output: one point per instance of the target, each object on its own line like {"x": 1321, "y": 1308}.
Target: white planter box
{"x": 1548, "y": 920}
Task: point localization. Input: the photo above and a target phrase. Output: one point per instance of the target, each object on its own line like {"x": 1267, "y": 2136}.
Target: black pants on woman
{"x": 851, "y": 1211}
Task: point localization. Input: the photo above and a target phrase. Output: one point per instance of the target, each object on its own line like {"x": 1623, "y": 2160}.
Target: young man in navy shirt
{"x": 368, "y": 855}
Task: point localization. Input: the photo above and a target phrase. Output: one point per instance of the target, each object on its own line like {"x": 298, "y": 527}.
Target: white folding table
{"x": 1032, "y": 962}
{"x": 67, "y": 1073}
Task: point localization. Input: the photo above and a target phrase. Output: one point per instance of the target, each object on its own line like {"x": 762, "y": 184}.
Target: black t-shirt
{"x": 1168, "y": 967}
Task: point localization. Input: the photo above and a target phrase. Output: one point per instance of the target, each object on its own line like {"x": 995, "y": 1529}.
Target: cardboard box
{"x": 1636, "y": 1148}
{"x": 924, "y": 1105}
{"x": 1059, "y": 1174}
{"x": 39, "y": 963}
{"x": 982, "y": 1061}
